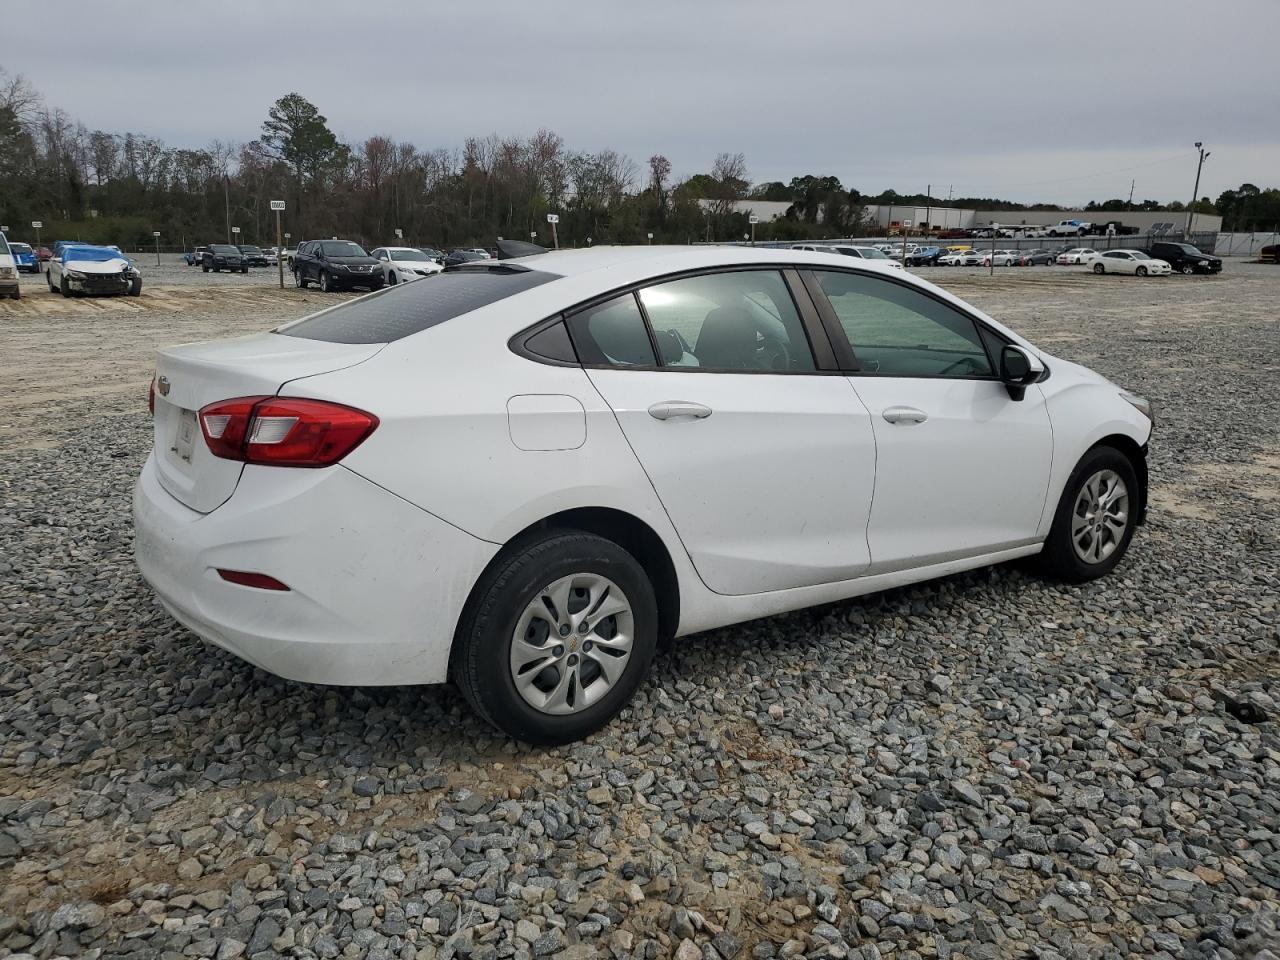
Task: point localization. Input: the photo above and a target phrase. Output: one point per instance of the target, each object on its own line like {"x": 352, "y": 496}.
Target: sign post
{"x": 650, "y": 236}
{"x": 36, "y": 225}
{"x": 156, "y": 234}
{"x": 553, "y": 219}
{"x": 906, "y": 225}
{"x": 278, "y": 206}
{"x": 753, "y": 220}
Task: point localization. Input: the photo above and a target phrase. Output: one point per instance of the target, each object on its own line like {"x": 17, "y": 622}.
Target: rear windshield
{"x": 408, "y": 308}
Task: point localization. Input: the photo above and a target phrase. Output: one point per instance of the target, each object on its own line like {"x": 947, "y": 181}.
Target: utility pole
{"x": 1204, "y": 155}
{"x": 928, "y": 207}
{"x": 226, "y": 199}
{"x": 1129, "y": 205}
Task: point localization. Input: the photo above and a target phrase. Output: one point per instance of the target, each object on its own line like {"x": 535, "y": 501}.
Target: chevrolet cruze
{"x": 520, "y": 475}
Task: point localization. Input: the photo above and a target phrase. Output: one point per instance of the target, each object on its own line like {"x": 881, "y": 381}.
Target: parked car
{"x": 858, "y": 252}
{"x": 336, "y": 265}
{"x": 925, "y": 257}
{"x": 9, "y": 285}
{"x": 1075, "y": 255}
{"x": 289, "y": 254}
{"x": 1002, "y": 258}
{"x": 961, "y": 258}
{"x": 24, "y": 258}
{"x": 1035, "y": 258}
{"x": 82, "y": 269}
{"x": 1270, "y": 253}
{"x": 402, "y": 264}
{"x": 1185, "y": 258}
{"x": 195, "y": 257}
{"x": 223, "y": 256}
{"x": 44, "y": 254}
{"x": 253, "y": 255}
{"x": 485, "y": 478}
{"x": 459, "y": 256}
{"x": 1133, "y": 262}
{"x": 436, "y": 255}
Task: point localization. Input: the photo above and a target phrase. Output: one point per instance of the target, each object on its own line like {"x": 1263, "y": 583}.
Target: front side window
{"x": 737, "y": 321}
{"x": 612, "y": 333}
{"x": 897, "y": 331}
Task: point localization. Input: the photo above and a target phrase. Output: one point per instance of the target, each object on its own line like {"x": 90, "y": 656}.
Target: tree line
{"x": 101, "y": 186}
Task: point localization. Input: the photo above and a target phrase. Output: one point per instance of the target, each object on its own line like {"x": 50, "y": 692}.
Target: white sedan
{"x": 1133, "y": 262}
{"x": 961, "y": 258}
{"x": 81, "y": 269}
{"x": 1075, "y": 255}
{"x": 525, "y": 474}
{"x": 402, "y": 264}
{"x": 1003, "y": 258}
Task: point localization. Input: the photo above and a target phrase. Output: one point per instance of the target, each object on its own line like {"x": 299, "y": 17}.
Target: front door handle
{"x": 904, "y": 415}
{"x": 670, "y": 409}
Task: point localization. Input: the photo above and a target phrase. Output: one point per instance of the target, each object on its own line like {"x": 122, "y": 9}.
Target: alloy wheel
{"x": 1100, "y": 516}
{"x": 572, "y": 643}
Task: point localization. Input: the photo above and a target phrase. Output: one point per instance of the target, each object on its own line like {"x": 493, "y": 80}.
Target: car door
{"x": 962, "y": 468}
{"x": 1118, "y": 262}
{"x": 764, "y": 462}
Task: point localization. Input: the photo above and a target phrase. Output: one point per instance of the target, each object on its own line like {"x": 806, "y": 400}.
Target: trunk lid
{"x": 194, "y": 375}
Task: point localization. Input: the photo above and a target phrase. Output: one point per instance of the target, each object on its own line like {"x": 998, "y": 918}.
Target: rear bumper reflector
{"x": 245, "y": 579}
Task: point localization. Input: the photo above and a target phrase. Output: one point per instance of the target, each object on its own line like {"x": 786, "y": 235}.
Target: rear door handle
{"x": 904, "y": 415}
{"x": 670, "y": 409}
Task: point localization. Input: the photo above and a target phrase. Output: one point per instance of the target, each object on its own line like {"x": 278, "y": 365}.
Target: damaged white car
{"x": 83, "y": 269}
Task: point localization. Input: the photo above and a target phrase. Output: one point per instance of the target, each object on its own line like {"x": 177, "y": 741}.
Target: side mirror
{"x": 1018, "y": 369}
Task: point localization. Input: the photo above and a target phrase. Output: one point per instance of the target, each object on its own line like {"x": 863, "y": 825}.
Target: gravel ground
{"x": 985, "y": 766}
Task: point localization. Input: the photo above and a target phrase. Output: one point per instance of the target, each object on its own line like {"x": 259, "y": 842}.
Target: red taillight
{"x": 245, "y": 579}
{"x": 151, "y": 397}
{"x": 284, "y": 431}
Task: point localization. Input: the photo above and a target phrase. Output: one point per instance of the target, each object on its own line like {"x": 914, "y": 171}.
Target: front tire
{"x": 64, "y": 288}
{"x": 135, "y": 287}
{"x": 1141, "y": 271}
{"x": 326, "y": 285}
{"x": 1095, "y": 520}
{"x": 1187, "y": 268}
{"x": 1099, "y": 268}
{"x": 557, "y": 637}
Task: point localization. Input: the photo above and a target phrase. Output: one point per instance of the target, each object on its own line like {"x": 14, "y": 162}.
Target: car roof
{"x": 655, "y": 260}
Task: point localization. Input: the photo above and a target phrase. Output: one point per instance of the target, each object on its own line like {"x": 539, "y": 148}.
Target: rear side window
{"x": 409, "y": 308}
{"x": 613, "y": 333}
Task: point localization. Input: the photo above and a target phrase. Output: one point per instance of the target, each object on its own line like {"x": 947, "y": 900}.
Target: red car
{"x": 43, "y": 254}
{"x": 1270, "y": 253}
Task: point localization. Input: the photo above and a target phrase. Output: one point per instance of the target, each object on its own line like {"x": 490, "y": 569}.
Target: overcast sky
{"x": 1060, "y": 102}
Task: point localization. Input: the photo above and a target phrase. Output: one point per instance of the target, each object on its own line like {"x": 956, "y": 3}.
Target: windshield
{"x": 415, "y": 255}
{"x": 342, "y": 248}
{"x": 1188, "y": 248}
{"x": 223, "y": 249}
{"x": 249, "y": 248}
{"x": 468, "y": 255}
{"x": 20, "y": 247}
{"x": 871, "y": 253}
{"x": 4, "y": 244}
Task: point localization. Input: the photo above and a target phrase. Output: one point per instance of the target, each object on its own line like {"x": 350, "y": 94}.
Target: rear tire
{"x": 1069, "y": 553}
{"x": 510, "y": 597}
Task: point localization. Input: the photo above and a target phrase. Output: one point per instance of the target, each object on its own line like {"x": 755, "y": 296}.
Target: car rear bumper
{"x": 376, "y": 584}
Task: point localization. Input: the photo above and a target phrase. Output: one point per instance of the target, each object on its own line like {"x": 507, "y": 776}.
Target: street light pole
{"x": 1204, "y": 155}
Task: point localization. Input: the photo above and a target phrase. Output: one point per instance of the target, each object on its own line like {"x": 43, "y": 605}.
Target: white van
{"x": 8, "y": 271}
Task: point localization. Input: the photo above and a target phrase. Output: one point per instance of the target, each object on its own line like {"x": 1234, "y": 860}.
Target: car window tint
{"x": 743, "y": 320}
{"x": 612, "y": 333}
{"x": 896, "y": 330}
{"x": 552, "y": 343}
{"x": 408, "y": 308}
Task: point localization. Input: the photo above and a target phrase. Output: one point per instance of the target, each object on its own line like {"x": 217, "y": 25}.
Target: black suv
{"x": 253, "y": 255}
{"x": 1185, "y": 258}
{"x": 223, "y": 256}
{"x": 336, "y": 265}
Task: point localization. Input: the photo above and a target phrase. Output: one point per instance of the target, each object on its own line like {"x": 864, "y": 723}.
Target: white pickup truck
{"x": 1069, "y": 228}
